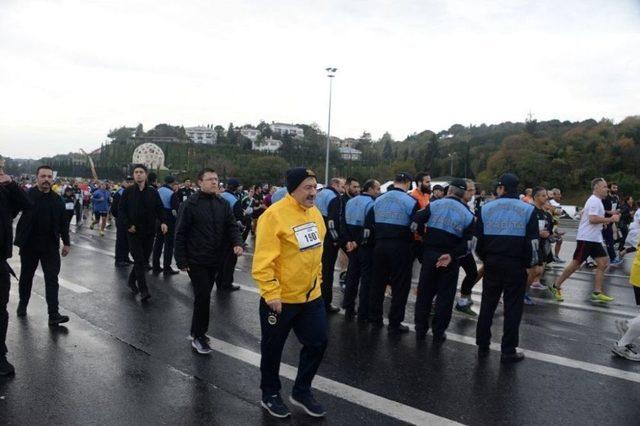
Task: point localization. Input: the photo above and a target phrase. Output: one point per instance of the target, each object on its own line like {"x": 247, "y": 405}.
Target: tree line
{"x": 552, "y": 153}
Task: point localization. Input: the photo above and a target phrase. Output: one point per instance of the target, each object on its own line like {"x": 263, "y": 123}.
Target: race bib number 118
{"x": 308, "y": 236}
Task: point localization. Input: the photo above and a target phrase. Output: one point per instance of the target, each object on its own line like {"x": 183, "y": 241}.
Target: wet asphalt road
{"x": 122, "y": 362}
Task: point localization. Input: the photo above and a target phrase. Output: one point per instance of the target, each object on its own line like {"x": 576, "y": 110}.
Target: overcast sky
{"x": 72, "y": 70}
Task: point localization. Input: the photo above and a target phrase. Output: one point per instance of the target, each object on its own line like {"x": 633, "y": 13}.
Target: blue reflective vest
{"x": 394, "y": 208}
{"x": 450, "y": 216}
{"x": 165, "y": 195}
{"x": 230, "y": 198}
{"x": 507, "y": 217}
{"x": 278, "y": 195}
{"x": 323, "y": 199}
{"x": 357, "y": 208}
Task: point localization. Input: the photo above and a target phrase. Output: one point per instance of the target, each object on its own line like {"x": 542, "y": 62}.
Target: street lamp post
{"x": 331, "y": 72}
{"x": 451, "y": 163}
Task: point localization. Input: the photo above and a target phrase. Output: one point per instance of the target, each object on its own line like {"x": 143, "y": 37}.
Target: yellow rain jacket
{"x": 634, "y": 278}
{"x": 287, "y": 263}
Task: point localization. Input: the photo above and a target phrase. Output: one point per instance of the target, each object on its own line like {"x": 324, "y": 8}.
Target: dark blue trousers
{"x": 359, "y": 274}
{"x": 435, "y": 281}
{"x": 309, "y": 323}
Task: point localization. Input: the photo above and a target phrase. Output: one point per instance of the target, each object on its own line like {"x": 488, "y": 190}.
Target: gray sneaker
{"x": 201, "y": 345}
{"x": 627, "y": 352}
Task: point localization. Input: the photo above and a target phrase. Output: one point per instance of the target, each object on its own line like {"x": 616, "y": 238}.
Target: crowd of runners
{"x": 506, "y": 236}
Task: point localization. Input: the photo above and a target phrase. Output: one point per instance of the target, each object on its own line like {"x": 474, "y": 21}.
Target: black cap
{"x": 437, "y": 188}
{"x": 233, "y": 184}
{"x": 129, "y": 178}
{"x": 295, "y": 177}
{"x": 169, "y": 180}
{"x": 403, "y": 177}
{"x": 509, "y": 181}
{"x": 458, "y": 183}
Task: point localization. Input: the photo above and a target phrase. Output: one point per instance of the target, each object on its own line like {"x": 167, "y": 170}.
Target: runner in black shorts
{"x": 589, "y": 243}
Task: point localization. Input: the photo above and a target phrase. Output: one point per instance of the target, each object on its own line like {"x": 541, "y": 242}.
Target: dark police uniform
{"x": 165, "y": 241}
{"x": 507, "y": 233}
{"x": 392, "y": 257}
{"x": 224, "y": 280}
{"x": 450, "y": 226}
{"x": 329, "y": 202}
{"x": 122, "y": 242}
{"x": 358, "y": 227}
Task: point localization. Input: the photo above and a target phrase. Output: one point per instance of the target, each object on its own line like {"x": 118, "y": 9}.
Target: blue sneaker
{"x": 308, "y": 404}
{"x": 275, "y": 406}
{"x": 617, "y": 262}
{"x": 527, "y": 300}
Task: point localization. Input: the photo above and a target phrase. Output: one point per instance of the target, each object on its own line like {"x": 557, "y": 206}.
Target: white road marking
{"x": 350, "y": 394}
{"x": 540, "y": 356}
{"x": 76, "y": 288}
{"x": 553, "y": 359}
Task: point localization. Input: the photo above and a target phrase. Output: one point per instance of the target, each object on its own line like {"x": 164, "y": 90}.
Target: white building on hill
{"x": 267, "y": 145}
{"x": 287, "y": 129}
{"x": 202, "y": 134}
{"x": 251, "y": 134}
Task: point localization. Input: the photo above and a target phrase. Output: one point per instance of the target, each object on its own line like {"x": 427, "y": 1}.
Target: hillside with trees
{"x": 552, "y": 153}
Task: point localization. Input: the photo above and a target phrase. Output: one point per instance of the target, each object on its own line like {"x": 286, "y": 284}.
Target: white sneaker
{"x": 537, "y": 285}
{"x": 627, "y": 352}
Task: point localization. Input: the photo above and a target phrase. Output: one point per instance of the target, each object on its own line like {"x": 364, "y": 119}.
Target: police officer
{"x": 166, "y": 241}
{"x": 450, "y": 226}
{"x": 392, "y": 257}
{"x": 287, "y": 267}
{"x": 122, "y": 243}
{"x": 507, "y": 233}
{"x": 358, "y": 228}
{"x": 12, "y": 201}
{"x": 330, "y": 203}
{"x": 224, "y": 280}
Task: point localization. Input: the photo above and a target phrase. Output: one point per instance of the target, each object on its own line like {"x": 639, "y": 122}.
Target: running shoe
{"x": 537, "y": 285}
{"x": 527, "y": 300}
{"x": 466, "y": 309}
{"x": 275, "y": 406}
{"x": 590, "y": 265}
{"x": 556, "y": 259}
{"x": 628, "y": 352}
{"x": 601, "y": 298}
{"x": 309, "y": 404}
{"x": 556, "y": 293}
{"x": 616, "y": 263}
{"x": 201, "y": 345}
{"x": 102, "y": 233}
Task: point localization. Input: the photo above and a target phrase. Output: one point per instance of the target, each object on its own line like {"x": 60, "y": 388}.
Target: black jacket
{"x": 12, "y": 201}
{"x": 60, "y": 229}
{"x": 141, "y": 209}
{"x": 206, "y": 227}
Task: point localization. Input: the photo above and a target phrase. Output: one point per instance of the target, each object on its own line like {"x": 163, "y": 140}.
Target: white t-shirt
{"x": 634, "y": 228}
{"x": 588, "y": 231}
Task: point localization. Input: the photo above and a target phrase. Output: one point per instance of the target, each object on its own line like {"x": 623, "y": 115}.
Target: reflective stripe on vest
{"x": 323, "y": 199}
{"x": 506, "y": 217}
{"x": 394, "y": 208}
{"x": 230, "y": 198}
{"x": 450, "y": 216}
{"x": 165, "y": 195}
{"x": 357, "y": 209}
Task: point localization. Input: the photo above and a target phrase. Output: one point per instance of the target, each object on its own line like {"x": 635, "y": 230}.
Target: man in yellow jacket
{"x": 287, "y": 266}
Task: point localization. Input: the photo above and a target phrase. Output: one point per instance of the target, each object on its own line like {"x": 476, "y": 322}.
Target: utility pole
{"x": 331, "y": 72}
